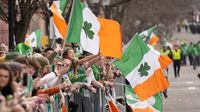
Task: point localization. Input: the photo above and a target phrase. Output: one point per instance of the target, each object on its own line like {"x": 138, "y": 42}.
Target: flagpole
{"x": 52, "y": 44}
{"x": 52, "y": 32}
{"x": 73, "y": 1}
{"x": 124, "y": 48}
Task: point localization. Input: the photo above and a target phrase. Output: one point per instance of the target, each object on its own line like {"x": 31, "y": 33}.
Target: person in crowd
{"x": 7, "y": 90}
{"x": 194, "y": 54}
{"x": 184, "y": 53}
{"x": 81, "y": 66}
{"x": 198, "y": 57}
{"x": 6, "y": 81}
{"x": 189, "y": 52}
{"x": 176, "y": 56}
{"x": 3, "y": 51}
{"x": 166, "y": 52}
{"x": 31, "y": 83}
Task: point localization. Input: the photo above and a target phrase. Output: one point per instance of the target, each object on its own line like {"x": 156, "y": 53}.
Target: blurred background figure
{"x": 176, "y": 56}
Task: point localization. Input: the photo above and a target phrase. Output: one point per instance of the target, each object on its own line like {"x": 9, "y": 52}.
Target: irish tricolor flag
{"x": 60, "y": 26}
{"x": 111, "y": 103}
{"x": 149, "y": 36}
{"x": 34, "y": 39}
{"x": 83, "y": 28}
{"x": 152, "y": 104}
{"x": 140, "y": 66}
{"x": 164, "y": 61}
{"x": 153, "y": 39}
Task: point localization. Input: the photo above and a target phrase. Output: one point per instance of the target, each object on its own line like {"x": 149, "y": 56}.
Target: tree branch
{"x": 3, "y": 15}
{"x": 119, "y": 3}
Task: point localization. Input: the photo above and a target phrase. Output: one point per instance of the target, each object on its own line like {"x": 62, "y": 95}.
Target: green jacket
{"x": 194, "y": 51}
{"x": 81, "y": 77}
{"x": 97, "y": 72}
{"x": 184, "y": 49}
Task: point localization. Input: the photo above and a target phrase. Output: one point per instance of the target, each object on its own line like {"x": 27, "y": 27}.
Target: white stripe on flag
{"x": 134, "y": 76}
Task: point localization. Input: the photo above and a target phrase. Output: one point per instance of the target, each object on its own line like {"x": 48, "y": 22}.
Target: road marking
{"x": 192, "y": 88}
{"x": 189, "y": 82}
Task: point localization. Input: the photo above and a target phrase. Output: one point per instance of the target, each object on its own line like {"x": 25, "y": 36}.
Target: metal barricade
{"x": 94, "y": 102}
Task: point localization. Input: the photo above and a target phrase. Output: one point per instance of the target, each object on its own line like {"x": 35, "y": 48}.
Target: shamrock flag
{"x": 59, "y": 23}
{"x": 164, "y": 61}
{"x": 111, "y": 103}
{"x": 152, "y": 104}
{"x": 34, "y": 39}
{"x": 140, "y": 66}
{"x": 83, "y": 28}
{"x": 110, "y": 38}
{"x": 149, "y": 36}
{"x": 153, "y": 39}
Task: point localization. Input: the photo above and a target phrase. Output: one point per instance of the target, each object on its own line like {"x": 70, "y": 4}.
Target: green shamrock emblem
{"x": 143, "y": 69}
{"x": 87, "y": 28}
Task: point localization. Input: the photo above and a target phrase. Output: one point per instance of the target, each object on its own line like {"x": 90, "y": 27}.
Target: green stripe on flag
{"x": 63, "y": 4}
{"x": 147, "y": 33}
{"x": 131, "y": 97}
{"x": 158, "y": 104}
{"x": 38, "y": 35}
{"x": 132, "y": 56}
{"x": 75, "y": 22}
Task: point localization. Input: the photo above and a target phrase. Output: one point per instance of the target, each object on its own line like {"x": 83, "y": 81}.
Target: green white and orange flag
{"x": 110, "y": 38}
{"x": 149, "y": 36}
{"x": 34, "y": 39}
{"x": 164, "y": 61}
{"x": 59, "y": 23}
{"x": 152, "y": 104}
{"x": 23, "y": 49}
{"x": 153, "y": 39}
{"x": 111, "y": 103}
{"x": 83, "y": 28}
{"x": 140, "y": 66}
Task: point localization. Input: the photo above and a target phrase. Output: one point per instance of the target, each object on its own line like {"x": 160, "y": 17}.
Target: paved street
{"x": 188, "y": 36}
{"x": 184, "y": 92}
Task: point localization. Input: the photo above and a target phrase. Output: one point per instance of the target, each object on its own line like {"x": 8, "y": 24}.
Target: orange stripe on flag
{"x": 147, "y": 109}
{"x": 156, "y": 83}
{"x": 44, "y": 41}
{"x": 111, "y": 103}
{"x": 164, "y": 61}
{"x": 64, "y": 108}
{"x": 113, "y": 107}
{"x": 110, "y": 38}
{"x": 154, "y": 39}
{"x": 59, "y": 21}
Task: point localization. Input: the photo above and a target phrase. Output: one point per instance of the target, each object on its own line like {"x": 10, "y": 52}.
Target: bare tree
{"x": 133, "y": 15}
{"x": 23, "y": 12}
{"x": 138, "y": 15}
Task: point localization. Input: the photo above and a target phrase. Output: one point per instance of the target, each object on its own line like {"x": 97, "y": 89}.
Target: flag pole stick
{"x": 124, "y": 48}
{"x": 52, "y": 33}
{"x": 68, "y": 28}
{"x": 63, "y": 48}
{"x": 52, "y": 44}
